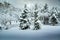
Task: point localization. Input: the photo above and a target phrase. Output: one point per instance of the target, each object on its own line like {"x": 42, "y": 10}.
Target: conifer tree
{"x": 53, "y": 19}
{"x": 36, "y": 24}
{"x": 24, "y": 20}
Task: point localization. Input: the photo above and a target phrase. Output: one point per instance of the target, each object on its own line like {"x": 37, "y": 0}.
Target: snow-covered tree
{"x": 8, "y": 13}
{"x": 45, "y": 12}
{"x": 54, "y": 16}
{"x": 45, "y": 8}
{"x": 24, "y": 20}
{"x": 6, "y": 4}
{"x": 54, "y": 11}
{"x": 53, "y": 19}
{"x": 36, "y": 23}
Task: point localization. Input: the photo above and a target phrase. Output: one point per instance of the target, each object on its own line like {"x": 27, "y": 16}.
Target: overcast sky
{"x": 20, "y": 3}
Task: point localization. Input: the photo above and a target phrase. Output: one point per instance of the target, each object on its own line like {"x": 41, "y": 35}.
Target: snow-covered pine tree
{"x": 24, "y": 20}
{"x": 54, "y": 19}
{"x": 6, "y": 4}
{"x": 36, "y": 23}
{"x": 46, "y": 14}
{"x": 53, "y": 16}
{"x": 45, "y": 8}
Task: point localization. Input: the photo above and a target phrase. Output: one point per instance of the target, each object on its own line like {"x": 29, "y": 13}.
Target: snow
{"x": 46, "y": 31}
{"x": 44, "y": 28}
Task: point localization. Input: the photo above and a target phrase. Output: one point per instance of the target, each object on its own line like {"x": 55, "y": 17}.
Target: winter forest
{"x": 28, "y": 18}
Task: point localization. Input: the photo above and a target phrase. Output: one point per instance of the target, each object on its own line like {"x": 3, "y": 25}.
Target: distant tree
{"x": 6, "y": 4}
{"x": 45, "y": 11}
{"x": 46, "y": 20}
{"x": 0, "y": 28}
{"x": 25, "y": 6}
{"x": 1, "y": 4}
{"x": 45, "y": 8}
{"x": 36, "y": 7}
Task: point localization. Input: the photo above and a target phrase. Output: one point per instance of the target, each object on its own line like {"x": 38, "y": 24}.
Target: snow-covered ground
{"x": 47, "y": 32}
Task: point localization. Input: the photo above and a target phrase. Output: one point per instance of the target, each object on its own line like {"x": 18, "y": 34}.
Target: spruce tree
{"x": 46, "y": 18}
{"x": 53, "y": 16}
{"x": 36, "y": 24}
{"x": 24, "y": 20}
{"x": 53, "y": 19}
